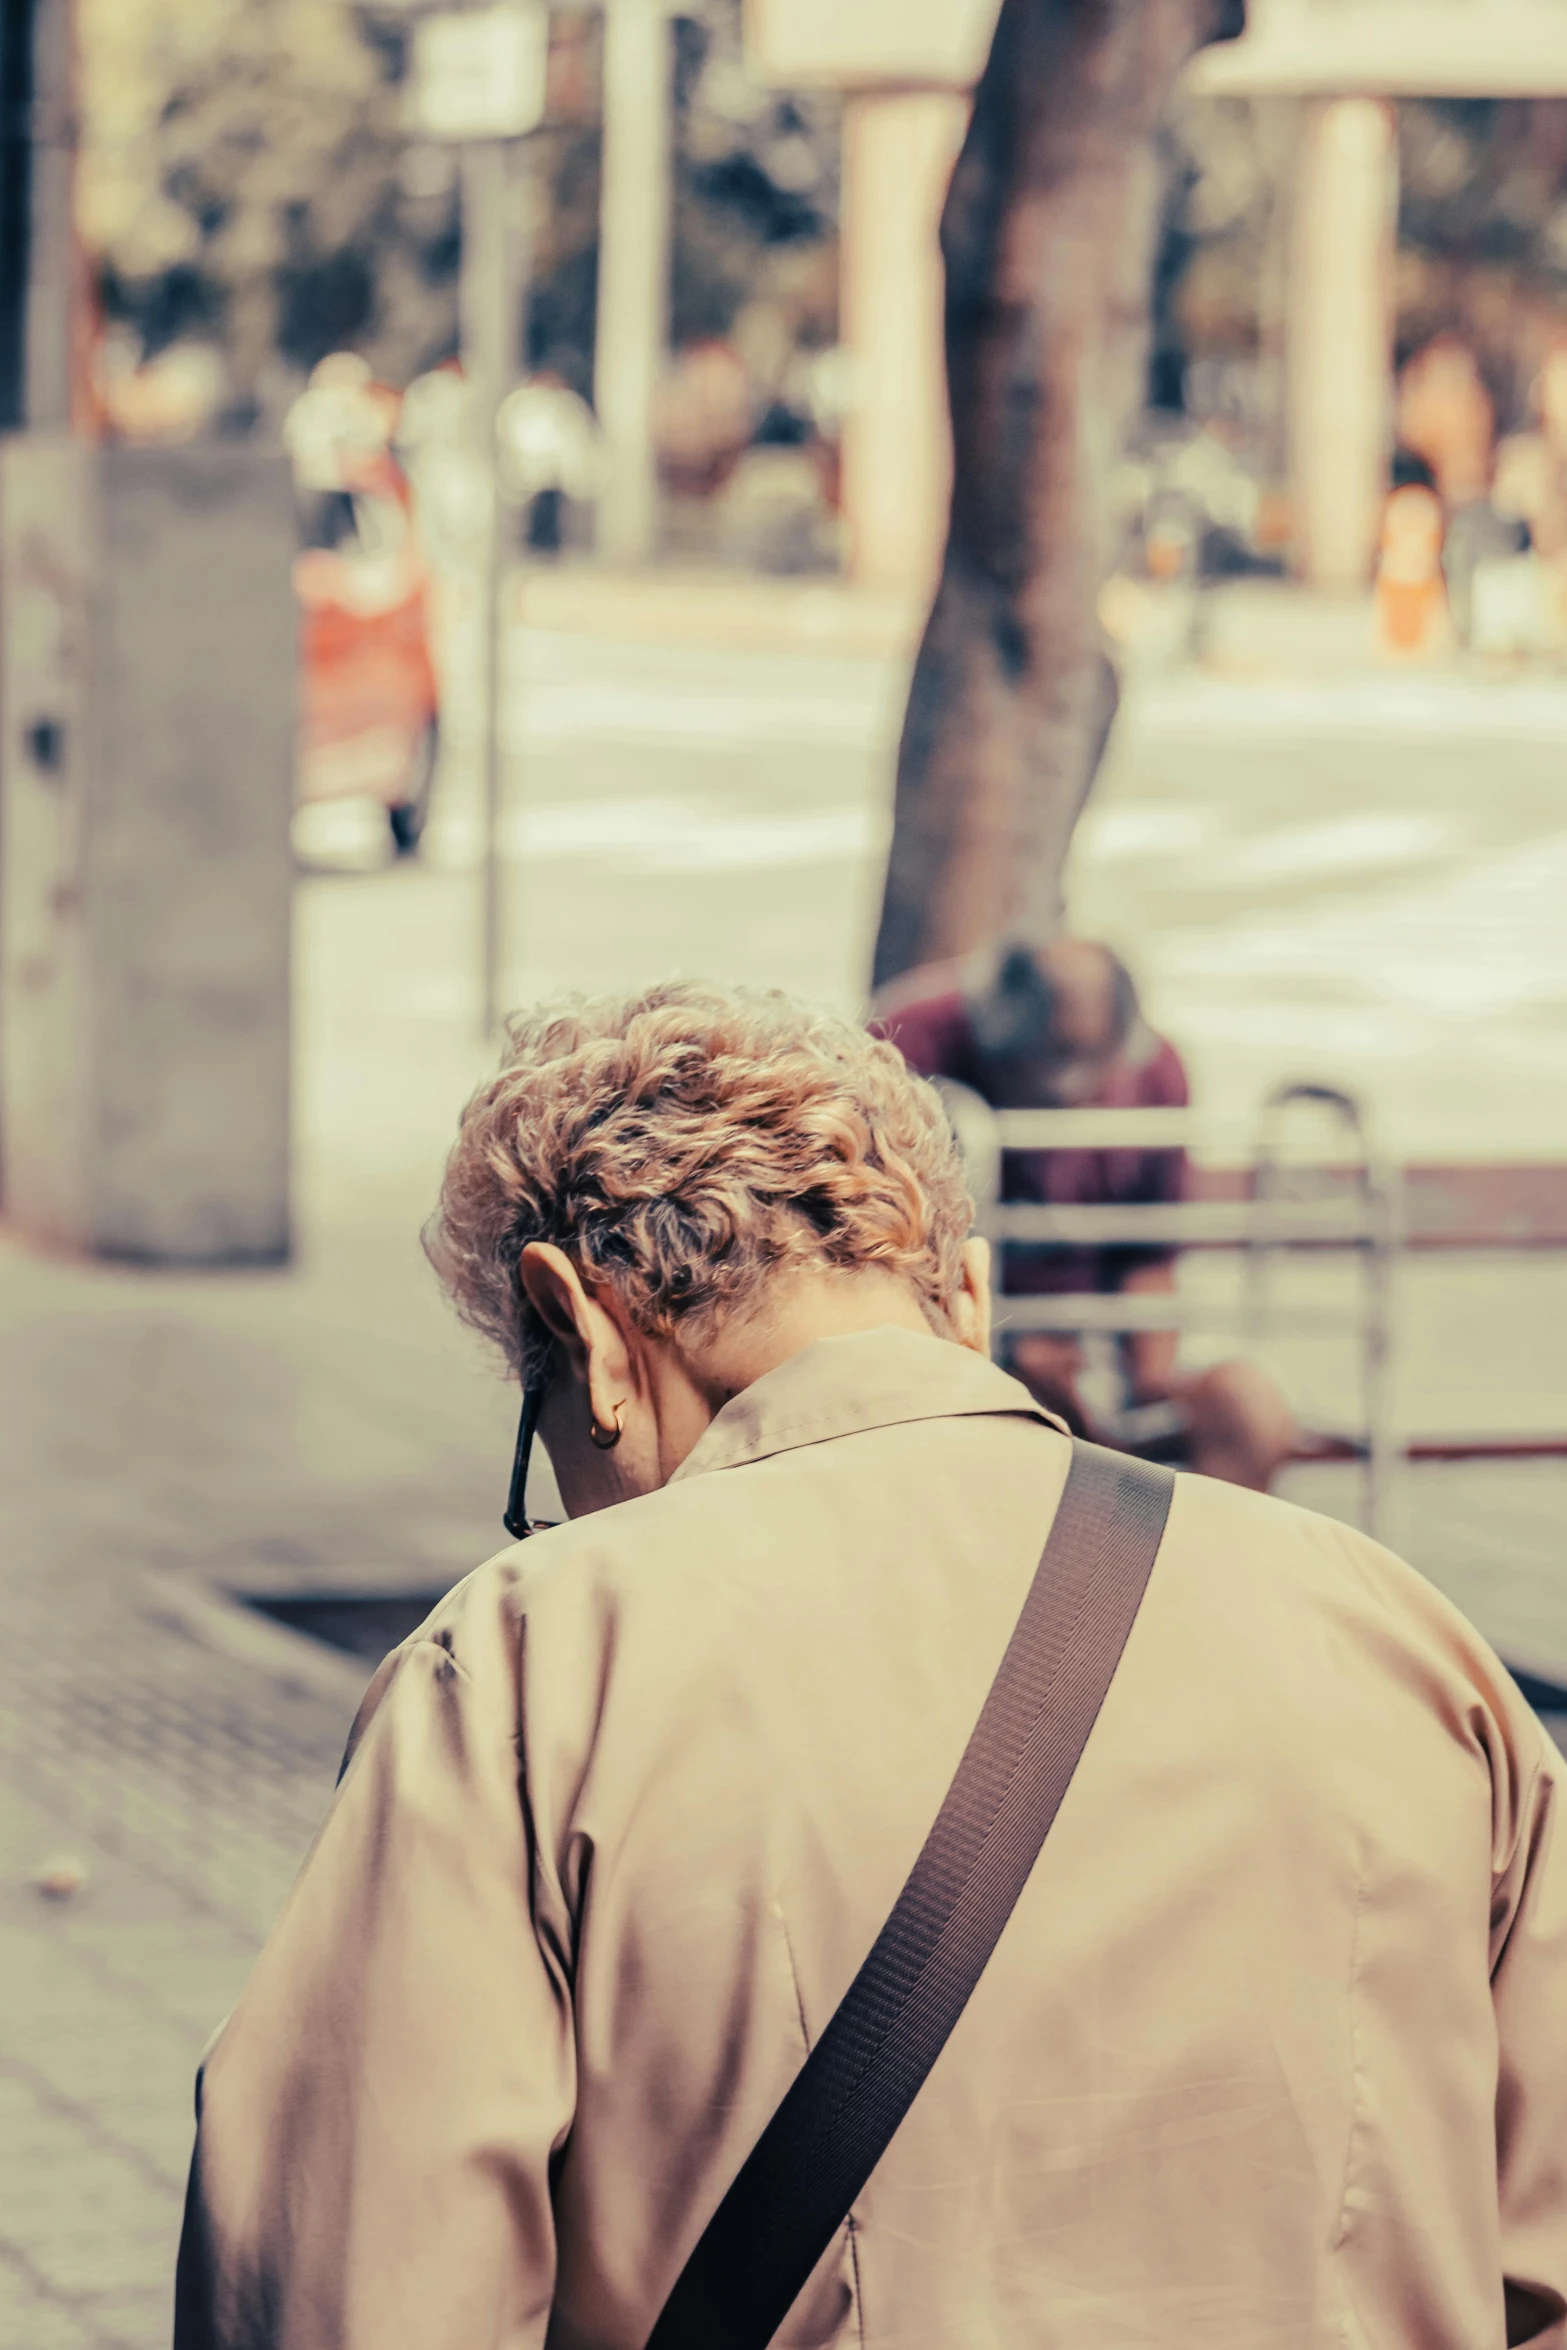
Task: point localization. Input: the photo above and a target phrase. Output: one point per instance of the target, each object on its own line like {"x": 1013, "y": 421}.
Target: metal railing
{"x": 1290, "y": 1205}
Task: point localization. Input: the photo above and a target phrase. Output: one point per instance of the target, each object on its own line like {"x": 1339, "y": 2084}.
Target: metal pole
{"x": 55, "y": 321}
{"x": 488, "y": 326}
{"x": 633, "y": 280}
{"x": 16, "y": 171}
{"x": 1378, "y": 1243}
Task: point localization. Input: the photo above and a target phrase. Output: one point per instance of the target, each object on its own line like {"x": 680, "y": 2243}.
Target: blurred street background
{"x": 476, "y": 486}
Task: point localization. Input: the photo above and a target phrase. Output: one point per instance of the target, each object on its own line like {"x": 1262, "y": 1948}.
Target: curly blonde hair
{"x": 682, "y": 1147}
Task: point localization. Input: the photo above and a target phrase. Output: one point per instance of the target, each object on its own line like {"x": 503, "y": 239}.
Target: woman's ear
{"x": 557, "y": 1296}
{"x": 589, "y": 1332}
{"x": 971, "y": 1306}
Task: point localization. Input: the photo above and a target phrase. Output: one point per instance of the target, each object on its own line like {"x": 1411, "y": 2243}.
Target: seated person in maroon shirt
{"x": 1059, "y": 1027}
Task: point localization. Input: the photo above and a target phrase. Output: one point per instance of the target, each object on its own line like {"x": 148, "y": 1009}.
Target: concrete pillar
{"x": 1340, "y": 341}
{"x": 633, "y": 276}
{"x": 899, "y": 148}
{"x": 147, "y": 735}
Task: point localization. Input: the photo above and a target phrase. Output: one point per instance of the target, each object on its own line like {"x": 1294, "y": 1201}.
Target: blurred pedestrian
{"x": 551, "y": 460}
{"x": 1060, "y": 1027}
{"x": 704, "y": 416}
{"x": 1274, "y": 2044}
{"x": 1445, "y": 418}
{"x": 1413, "y": 619}
{"x": 1444, "y": 413}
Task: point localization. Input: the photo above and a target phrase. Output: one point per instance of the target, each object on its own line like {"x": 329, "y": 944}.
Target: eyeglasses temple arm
{"x": 515, "y": 1521}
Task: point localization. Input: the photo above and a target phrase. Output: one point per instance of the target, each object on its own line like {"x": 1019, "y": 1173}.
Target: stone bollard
{"x": 147, "y": 739}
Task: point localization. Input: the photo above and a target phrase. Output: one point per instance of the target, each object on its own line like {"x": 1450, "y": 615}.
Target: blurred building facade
{"x": 730, "y": 211}
{"x": 1348, "y": 181}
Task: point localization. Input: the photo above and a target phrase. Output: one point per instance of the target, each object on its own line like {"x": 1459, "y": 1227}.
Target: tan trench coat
{"x": 1273, "y": 2052}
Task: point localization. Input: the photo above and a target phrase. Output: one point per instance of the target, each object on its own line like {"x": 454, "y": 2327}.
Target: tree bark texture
{"x": 1047, "y": 238}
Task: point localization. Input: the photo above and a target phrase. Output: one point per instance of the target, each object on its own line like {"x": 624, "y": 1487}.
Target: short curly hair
{"x": 683, "y": 1146}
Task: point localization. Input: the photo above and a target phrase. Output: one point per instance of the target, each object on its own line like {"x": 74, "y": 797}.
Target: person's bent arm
{"x": 1151, "y": 1354}
{"x": 378, "y": 2115}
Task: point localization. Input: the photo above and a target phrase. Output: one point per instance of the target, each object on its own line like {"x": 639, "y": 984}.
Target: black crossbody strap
{"x": 798, "y": 2183}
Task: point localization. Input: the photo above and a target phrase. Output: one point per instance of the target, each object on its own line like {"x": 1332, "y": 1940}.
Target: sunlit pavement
{"x": 1360, "y": 881}
{"x": 1363, "y": 881}
{"x": 1363, "y": 886}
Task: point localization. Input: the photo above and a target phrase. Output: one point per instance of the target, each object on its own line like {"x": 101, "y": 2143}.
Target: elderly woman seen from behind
{"x": 1278, "y": 2028}
{"x": 646, "y": 1221}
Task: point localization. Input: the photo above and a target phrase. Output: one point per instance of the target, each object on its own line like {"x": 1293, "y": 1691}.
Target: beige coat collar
{"x": 840, "y": 1386}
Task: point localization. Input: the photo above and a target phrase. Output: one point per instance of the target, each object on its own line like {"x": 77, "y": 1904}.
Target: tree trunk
{"x": 1046, "y": 235}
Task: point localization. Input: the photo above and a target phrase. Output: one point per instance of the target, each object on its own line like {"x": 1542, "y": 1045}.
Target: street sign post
{"x": 479, "y": 73}
{"x": 479, "y": 83}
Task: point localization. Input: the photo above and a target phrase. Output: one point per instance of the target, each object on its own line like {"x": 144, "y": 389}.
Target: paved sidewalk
{"x": 164, "y": 1436}
{"x": 187, "y": 1790}
{"x": 109, "y": 1999}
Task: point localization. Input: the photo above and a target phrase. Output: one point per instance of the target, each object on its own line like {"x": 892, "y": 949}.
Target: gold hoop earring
{"x": 597, "y": 1436}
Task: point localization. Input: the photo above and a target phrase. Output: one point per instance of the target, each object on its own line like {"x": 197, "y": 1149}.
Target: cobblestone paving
{"x": 227, "y": 1432}
{"x": 109, "y": 2000}
{"x": 188, "y": 1788}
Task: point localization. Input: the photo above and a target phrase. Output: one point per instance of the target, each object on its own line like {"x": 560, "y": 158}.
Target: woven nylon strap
{"x": 797, "y": 2185}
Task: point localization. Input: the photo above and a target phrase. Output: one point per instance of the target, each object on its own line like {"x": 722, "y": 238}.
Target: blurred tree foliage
{"x": 755, "y": 202}
{"x": 247, "y": 181}
{"x": 1483, "y": 234}
{"x": 1482, "y": 248}
{"x": 1218, "y": 283}
{"x": 756, "y": 191}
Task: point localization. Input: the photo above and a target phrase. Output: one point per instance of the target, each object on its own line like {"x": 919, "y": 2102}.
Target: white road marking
{"x": 658, "y": 835}
{"x": 1344, "y": 844}
{"x": 1115, "y": 834}
{"x": 1403, "y": 706}
{"x": 1485, "y": 938}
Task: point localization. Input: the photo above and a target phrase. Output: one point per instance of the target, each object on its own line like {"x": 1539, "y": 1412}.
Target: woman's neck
{"x": 804, "y": 1308}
